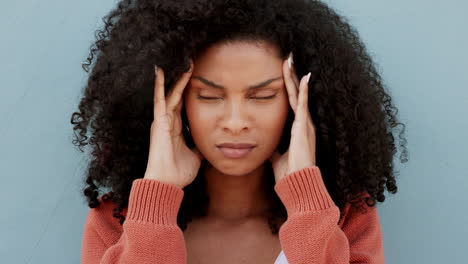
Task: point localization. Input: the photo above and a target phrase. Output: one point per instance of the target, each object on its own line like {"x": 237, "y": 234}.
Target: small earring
{"x": 186, "y": 127}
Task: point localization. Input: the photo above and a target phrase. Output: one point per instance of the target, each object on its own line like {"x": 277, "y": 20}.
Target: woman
{"x": 270, "y": 136}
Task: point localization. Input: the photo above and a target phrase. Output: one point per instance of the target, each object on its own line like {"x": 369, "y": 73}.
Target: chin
{"x": 235, "y": 168}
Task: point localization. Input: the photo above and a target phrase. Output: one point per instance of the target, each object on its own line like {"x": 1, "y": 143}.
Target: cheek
{"x": 198, "y": 117}
{"x": 195, "y": 111}
{"x": 274, "y": 119}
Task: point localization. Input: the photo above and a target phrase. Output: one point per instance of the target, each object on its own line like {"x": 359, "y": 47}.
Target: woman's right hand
{"x": 170, "y": 160}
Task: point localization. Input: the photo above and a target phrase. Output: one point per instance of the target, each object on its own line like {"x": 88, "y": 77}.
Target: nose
{"x": 235, "y": 118}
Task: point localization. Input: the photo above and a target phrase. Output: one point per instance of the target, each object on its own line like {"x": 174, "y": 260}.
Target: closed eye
{"x": 263, "y": 98}
{"x": 207, "y": 98}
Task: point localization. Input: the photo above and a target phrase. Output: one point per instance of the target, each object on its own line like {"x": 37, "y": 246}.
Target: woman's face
{"x": 237, "y": 95}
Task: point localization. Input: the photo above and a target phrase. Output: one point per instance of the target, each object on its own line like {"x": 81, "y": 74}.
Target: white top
{"x": 281, "y": 259}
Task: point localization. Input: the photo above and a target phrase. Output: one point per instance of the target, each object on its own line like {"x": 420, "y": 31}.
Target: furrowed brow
{"x": 251, "y": 87}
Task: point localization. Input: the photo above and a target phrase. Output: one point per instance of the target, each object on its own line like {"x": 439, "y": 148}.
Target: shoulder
{"x": 361, "y": 213}
{"x": 102, "y": 220}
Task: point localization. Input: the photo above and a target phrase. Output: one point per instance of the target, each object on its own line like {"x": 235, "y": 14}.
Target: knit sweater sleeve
{"x": 150, "y": 231}
{"x": 311, "y": 233}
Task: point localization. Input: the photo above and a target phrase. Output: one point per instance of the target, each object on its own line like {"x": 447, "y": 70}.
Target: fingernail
{"x": 191, "y": 65}
{"x": 308, "y": 77}
{"x": 155, "y": 69}
{"x": 289, "y": 59}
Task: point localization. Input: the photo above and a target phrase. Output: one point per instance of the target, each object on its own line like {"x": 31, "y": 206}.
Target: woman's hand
{"x": 301, "y": 152}
{"x": 170, "y": 160}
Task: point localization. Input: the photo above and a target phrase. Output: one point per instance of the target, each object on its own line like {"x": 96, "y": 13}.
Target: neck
{"x": 236, "y": 198}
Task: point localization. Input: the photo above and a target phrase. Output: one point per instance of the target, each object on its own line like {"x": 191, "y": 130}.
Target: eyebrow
{"x": 251, "y": 87}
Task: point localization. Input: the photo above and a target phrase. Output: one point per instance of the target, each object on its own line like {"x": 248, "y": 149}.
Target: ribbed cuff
{"x": 155, "y": 202}
{"x": 303, "y": 191}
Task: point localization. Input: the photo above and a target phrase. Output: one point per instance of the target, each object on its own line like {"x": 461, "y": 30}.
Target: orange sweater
{"x": 312, "y": 233}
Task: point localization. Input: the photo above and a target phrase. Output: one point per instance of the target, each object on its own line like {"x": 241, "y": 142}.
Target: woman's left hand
{"x": 301, "y": 152}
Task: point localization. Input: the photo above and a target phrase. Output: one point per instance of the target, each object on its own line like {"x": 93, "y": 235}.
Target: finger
{"x": 159, "y": 100}
{"x": 294, "y": 77}
{"x": 293, "y": 71}
{"x": 290, "y": 86}
{"x": 174, "y": 98}
{"x": 178, "y": 107}
{"x": 303, "y": 108}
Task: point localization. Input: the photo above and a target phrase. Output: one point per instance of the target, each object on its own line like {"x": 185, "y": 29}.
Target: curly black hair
{"x": 351, "y": 109}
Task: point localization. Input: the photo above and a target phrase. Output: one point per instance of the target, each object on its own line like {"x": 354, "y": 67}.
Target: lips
{"x": 235, "y": 150}
{"x": 236, "y": 145}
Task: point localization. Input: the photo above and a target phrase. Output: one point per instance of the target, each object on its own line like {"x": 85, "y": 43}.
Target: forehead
{"x": 238, "y": 64}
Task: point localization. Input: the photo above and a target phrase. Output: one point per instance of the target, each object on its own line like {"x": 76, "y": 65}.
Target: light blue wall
{"x": 420, "y": 47}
